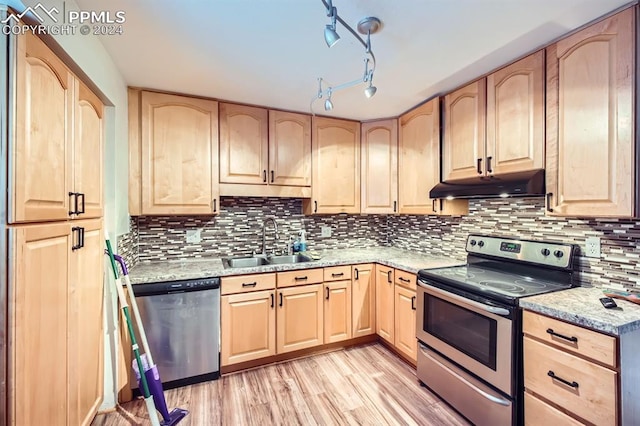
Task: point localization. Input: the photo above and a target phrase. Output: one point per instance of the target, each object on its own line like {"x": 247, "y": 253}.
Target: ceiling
{"x": 271, "y": 52}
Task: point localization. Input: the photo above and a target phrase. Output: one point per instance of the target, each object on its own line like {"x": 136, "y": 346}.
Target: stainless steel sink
{"x": 292, "y": 258}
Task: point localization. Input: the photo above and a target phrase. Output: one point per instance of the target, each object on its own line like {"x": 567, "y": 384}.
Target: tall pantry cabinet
{"x": 55, "y": 203}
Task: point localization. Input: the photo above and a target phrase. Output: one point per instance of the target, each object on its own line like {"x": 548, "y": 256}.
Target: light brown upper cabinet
{"x": 336, "y": 167}
{"x": 515, "y": 117}
{"x": 177, "y": 152}
{"x": 464, "y": 132}
{"x": 590, "y": 120}
{"x": 264, "y": 152}
{"x": 419, "y": 163}
{"x": 56, "y": 154}
{"x": 379, "y": 167}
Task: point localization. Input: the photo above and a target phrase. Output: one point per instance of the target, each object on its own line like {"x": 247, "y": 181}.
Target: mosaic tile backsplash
{"x": 237, "y": 231}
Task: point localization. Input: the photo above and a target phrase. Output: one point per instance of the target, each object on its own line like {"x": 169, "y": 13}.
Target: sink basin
{"x": 245, "y": 262}
{"x": 292, "y": 258}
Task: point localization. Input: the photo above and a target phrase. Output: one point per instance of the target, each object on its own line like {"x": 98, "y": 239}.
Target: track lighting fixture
{"x": 367, "y": 26}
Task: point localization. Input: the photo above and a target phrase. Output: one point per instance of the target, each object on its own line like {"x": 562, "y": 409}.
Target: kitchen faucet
{"x": 264, "y": 228}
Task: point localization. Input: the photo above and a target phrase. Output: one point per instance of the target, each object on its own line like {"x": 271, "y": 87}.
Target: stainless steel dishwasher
{"x": 182, "y": 322}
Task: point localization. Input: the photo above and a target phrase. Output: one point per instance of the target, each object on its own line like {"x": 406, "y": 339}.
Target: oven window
{"x": 468, "y": 331}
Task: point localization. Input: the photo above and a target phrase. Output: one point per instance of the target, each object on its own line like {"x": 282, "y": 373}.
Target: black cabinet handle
{"x": 479, "y": 167}
{"x": 413, "y": 303}
{"x": 215, "y": 204}
{"x": 549, "y": 195}
{"x": 81, "y": 237}
{"x": 301, "y": 278}
{"x": 75, "y": 236}
{"x": 489, "y": 169}
{"x": 570, "y": 339}
{"x": 395, "y": 203}
{"x": 337, "y": 275}
{"x": 272, "y": 176}
{"x": 273, "y": 300}
{"x": 389, "y": 276}
{"x": 315, "y": 207}
{"x": 355, "y": 272}
{"x": 81, "y": 195}
{"x": 404, "y": 280}
{"x": 280, "y": 299}
{"x": 433, "y": 205}
{"x": 327, "y": 297}
{"x": 253, "y": 284}
{"x": 264, "y": 175}
{"x": 73, "y": 203}
{"x": 573, "y": 384}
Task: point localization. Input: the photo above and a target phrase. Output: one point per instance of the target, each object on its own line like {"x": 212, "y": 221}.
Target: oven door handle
{"x": 488, "y": 308}
{"x": 485, "y": 395}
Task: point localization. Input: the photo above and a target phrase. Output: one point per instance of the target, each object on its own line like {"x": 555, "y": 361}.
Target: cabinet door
{"x": 363, "y": 300}
{"x": 179, "y": 161}
{"x": 337, "y": 311}
{"x": 248, "y": 326}
{"x": 38, "y": 335}
{"x": 590, "y": 120}
{"x": 300, "y": 318}
{"x": 405, "y": 322}
{"x": 464, "y": 132}
{"x": 515, "y": 116}
{"x": 384, "y": 303}
{"x": 244, "y": 133}
{"x": 336, "y": 167}
{"x": 289, "y": 149}
{"x": 379, "y": 153}
{"x": 86, "y": 369}
{"x": 40, "y": 156}
{"x": 87, "y": 151}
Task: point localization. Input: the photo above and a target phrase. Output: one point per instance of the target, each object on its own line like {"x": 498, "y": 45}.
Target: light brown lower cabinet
{"x": 405, "y": 322}
{"x": 299, "y": 318}
{"x": 337, "y": 311}
{"x": 363, "y": 300}
{"x": 385, "y": 316}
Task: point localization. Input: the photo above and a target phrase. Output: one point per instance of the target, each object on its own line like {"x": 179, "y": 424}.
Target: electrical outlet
{"x": 592, "y": 247}
{"x": 325, "y": 231}
{"x": 193, "y": 236}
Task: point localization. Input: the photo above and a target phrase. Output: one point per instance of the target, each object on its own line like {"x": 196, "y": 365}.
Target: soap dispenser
{"x": 303, "y": 240}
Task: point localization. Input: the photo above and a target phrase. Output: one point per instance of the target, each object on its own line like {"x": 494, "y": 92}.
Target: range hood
{"x": 521, "y": 184}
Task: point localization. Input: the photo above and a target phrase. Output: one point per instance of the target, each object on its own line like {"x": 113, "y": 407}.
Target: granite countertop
{"x": 581, "y": 306}
{"x": 169, "y": 270}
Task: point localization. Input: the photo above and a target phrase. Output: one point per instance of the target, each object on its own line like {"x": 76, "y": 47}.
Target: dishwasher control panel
{"x": 201, "y": 284}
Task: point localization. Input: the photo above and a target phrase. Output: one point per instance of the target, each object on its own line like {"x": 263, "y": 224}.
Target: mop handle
{"x": 134, "y": 306}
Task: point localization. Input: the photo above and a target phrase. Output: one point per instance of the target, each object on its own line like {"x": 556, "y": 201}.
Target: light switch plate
{"x": 325, "y": 231}
{"x": 592, "y": 247}
{"x": 193, "y": 236}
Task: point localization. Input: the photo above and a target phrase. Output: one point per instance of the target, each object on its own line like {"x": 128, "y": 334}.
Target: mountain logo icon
{"x": 38, "y": 11}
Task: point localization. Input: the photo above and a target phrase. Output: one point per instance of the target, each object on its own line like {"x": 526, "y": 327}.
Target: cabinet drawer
{"x": 571, "y": 338}
{"x": 337, "y": 273}
{"x": 244, "y": 283}
{"x": 405, "y": 279}
{"x": 590, "y": 390}
{"x": 537, "y": 412}
{"x": 301, "y": 277}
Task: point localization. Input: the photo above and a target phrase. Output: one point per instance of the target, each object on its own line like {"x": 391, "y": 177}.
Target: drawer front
{"x": 245, "y": 283}
{"x": 537, "y": 412}
{"x": 572, "y": 338}
{"x": 300, "y": 277}
{"x": 405, "y": 279}
{"x": 337, "y": 273}
{"x": 582, "y": 387}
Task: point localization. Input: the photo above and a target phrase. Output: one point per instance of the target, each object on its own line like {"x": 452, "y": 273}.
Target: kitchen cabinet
{"x": 337, "y": 311}
{"x": 300, "y": 318}
{"x": 379, "y": 153}
{"x": 590, "y": 161}
{"x": 289, "y": 149}
{"x": 248, "y": 318}
{"x": 363, "y": 300}
{"x": 569, "y": 371}
{"x": 419, "y": 163}
{"x": 335, "y": 167}
{"x": 57, "y": 309}
{"x": 177, "y": 147}
{"x": 405, "y": 314}
{"x": 385, "y": 315}
{"x": 55, "y": 159}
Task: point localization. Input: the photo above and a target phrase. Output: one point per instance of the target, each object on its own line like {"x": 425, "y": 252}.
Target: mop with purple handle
{"x": 150, "y": 369}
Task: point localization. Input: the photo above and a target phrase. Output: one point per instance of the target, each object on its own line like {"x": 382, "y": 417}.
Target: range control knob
{"x": 558, "y": 253}
{"x": 473, "y": 242}
{"x": 545, "y": 252}
{"x": 480, "y": 243}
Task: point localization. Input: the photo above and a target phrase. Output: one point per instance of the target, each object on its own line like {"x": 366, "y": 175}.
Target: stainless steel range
{"x": 469, "y": 323}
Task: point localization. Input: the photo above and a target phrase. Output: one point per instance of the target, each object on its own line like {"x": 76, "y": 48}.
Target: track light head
{"x": 328, "y": 105}
{"x": 330, "y": 35}
{"x": 370, "y": 91}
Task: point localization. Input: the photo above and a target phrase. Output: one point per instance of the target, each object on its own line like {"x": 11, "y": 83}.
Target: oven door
{"x": 475, "y": 334}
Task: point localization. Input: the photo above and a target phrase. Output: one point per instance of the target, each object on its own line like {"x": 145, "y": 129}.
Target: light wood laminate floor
{"x": 362, "y": 385}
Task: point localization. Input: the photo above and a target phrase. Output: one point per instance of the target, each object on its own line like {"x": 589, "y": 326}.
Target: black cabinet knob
{"x": 480, "y": 243}
{"x": 545, "y": 252}
{"x": 473, "y": 242}
{"x": 558, "y": 253}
